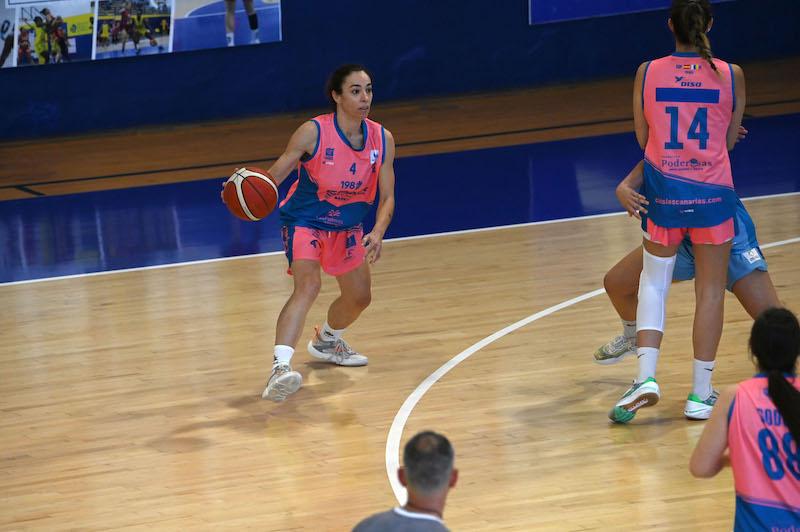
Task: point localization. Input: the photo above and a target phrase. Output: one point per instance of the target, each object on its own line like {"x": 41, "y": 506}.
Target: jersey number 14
{"x": 698, "y": 129}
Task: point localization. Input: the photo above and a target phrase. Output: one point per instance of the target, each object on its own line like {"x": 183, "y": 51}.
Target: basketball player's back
{"x": 765, "y": 460}
{"x": 690, "y": 104}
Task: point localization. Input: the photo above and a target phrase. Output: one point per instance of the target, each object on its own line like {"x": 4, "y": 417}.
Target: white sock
{"x": 229, "y": 37}
{"x": 629, "y": 330}
{"x": 702, "y": 378}
{"x": 328, "y": 333}
{"x": 648, "y": 360}
{"x": 283, "y": 354}
{"x": 254, "y": 34}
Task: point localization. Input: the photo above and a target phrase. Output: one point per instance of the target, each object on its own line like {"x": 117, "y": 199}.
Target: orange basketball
{"x": 250, "y": 194}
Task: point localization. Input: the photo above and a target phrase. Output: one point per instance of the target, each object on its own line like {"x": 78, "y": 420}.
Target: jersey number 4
{"x": 698, "y": 129}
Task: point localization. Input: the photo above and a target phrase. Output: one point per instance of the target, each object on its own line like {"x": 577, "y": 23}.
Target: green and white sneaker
{"x": 615, "y": 350}
{"x": 697, "y": 408}
{"x": 639, "y": 395}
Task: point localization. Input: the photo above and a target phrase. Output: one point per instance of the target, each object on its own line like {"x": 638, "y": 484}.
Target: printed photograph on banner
{"x": 54, "y": 32}
{"x": 8, "y": 16}
{"x": 546, "y": 11}
{"x": 201, "y": 24}
{"x": 128, "y": 28}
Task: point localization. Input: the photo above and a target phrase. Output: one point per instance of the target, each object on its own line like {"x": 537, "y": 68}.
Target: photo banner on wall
{"x": 42, "y": 32}
{"x": 546, "y": 11}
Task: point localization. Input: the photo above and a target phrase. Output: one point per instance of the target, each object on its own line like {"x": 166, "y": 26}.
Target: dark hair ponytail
{"x": 690, "y": 18}
{"x": 775, "y": 342}
{"x": 336, "y": 80}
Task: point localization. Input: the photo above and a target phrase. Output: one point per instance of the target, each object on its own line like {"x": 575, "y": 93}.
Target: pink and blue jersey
{"x": 337, "y": 183}
{"x": 688, "y": 107}
{"x": 765, "y": 461}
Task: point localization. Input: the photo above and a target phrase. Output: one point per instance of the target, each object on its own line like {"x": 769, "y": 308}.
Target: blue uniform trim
{"x": 344, "y": 137}
{"x": 304, "y": 208}
{"x": 754, "y": 513}
{"x": 730, "y": 411}
{"x": 691, "y": 182}
{"x": 383, "y": 140}
{"x": 733, "y": 86}
{"x": 644, "y": 77}
{"x": 676, "y": 202}
{"x": 664, "y": 94}
{"x": 319, "y": 137}
{"x": 685, "y": 54}
{"x": 288, "y": 241}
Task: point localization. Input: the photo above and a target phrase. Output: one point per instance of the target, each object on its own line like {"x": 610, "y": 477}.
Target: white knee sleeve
{"x": 654, "y": 286}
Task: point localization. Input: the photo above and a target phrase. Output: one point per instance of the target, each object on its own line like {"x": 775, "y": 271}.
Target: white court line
{"x": 398, "y": 239}
{"x": 396, "y": 430}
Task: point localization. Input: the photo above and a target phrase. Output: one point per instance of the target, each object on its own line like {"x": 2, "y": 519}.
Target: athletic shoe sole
{"x": 626, "y": 412}
{"x": 284, "y": 386}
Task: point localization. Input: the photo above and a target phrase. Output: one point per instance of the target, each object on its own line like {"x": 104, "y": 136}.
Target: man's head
{"x": 428, "y": 464}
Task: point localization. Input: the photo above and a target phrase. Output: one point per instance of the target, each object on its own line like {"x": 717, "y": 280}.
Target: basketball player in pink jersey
{"x": 343, "y": 159}
{"x": 758, "y": 421}
{"x": 688, "y": 108}
{"x": 748, "y": 278}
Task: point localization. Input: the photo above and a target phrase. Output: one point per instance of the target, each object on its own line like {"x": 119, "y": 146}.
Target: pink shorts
{"x": 672, "y": 236}
{"x": 337, "y": 252}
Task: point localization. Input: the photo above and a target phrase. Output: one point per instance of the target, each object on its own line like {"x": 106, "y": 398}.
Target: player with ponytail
{"x": 687, "y": 108}
{"x": 758, "y": 421}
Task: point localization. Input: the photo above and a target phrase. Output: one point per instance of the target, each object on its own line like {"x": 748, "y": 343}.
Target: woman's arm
{"x": 709, "y": 455}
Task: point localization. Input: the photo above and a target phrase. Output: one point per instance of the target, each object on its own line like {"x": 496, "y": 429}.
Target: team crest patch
{"x": 373, "y": 156}
{"x": 328, "y": 157}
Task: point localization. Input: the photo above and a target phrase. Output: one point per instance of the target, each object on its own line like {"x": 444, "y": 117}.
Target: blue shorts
{"x": 743, "y": 262}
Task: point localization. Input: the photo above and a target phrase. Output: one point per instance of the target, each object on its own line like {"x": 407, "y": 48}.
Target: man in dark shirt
{"x": 428, "y": 475}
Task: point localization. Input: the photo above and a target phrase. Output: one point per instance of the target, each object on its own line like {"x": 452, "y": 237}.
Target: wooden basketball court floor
{"x": 131, "y": 400}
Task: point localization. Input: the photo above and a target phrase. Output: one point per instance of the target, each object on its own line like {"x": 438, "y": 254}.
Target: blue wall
{"x": 415, "y": 48}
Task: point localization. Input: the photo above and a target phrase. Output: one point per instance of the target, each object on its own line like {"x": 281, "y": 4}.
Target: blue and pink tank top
{"x": 765, "y": 460}
{"x": 337, "y": 183}
{"x": 687, "y": 174}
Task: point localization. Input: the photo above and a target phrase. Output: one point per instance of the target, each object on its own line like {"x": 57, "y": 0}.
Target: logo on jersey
{"x": 676, "y": 163}
{"x": 691, "y": 84}
{"x": 373, "y": 156}
{"x": 752, "y": 255}
{"x": 678, "y": 78}
{"x": 328, "y": 157}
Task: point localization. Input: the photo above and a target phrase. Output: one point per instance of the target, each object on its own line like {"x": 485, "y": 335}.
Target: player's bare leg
{"x": 283, "y": 381}
{"x": 622, "y": 285}
{"x": 230, "y": 21}
{"x": 756, "y": 293}
{"x": 355, "y": 296}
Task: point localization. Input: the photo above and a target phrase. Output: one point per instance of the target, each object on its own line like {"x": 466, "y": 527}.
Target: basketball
{"x": 250, "y": 194}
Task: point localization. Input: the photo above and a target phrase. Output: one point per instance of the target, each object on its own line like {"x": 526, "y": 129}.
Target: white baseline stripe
{"x": 396, "y": 430}
{"x": 398, "y": 239}
{"x": 139, "y": 268}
